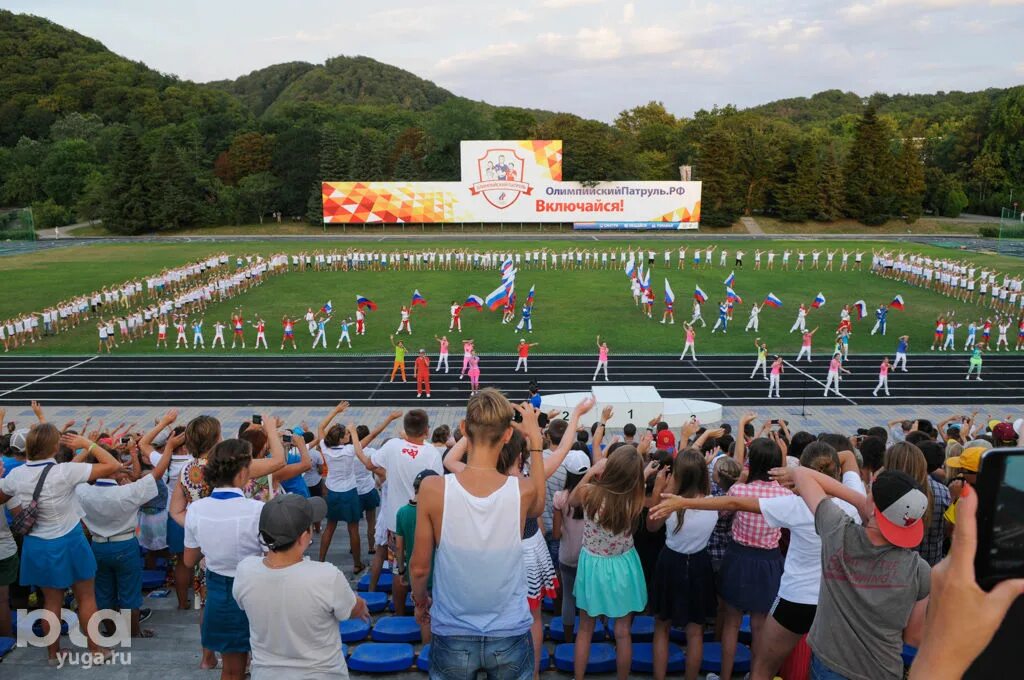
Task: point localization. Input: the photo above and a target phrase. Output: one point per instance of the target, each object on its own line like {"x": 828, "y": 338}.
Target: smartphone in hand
{"x": 1000, "y": 487}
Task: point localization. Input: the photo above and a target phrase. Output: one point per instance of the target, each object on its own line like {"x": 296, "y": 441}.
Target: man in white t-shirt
{"x": 294, "y": 604}
{"x": 401, "y": 459}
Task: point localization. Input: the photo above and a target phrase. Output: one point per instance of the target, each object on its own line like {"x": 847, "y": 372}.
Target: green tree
{"x": 721, "y": 193}
{"x": 63, "y": 171}
{"x": 759, "y": 154}
{"x": 89, "y": 205}
{"x": 332, "y": 164}
{"x": 128, "y": 205}
{"x": 259, "y": 193}
{"x": 910, "y": 184}
{"x": 799, "y": 197}
{"x": 176, "y": 197}
{"x": 830, "y": 194}
{"x": 446, "y": 126}
{"x": 513, "y": 123}
{"x": 869, "y": 171}
{"x": 406, "y": 169}
{"x": 75, "y": 125}
{"x": 315, "y": 205}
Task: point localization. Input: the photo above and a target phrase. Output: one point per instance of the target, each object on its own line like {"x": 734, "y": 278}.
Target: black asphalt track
{"x": 183, "y": 378}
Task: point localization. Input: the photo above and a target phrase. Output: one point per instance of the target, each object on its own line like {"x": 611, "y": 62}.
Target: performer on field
{"x": 456, "y": 312}
{"x": 524, "y": 354}
{"x": 405, "y": 324}
{"x": 691, "y": 336}
{"x": 289, "y": 332}
{"x": 442, "y": 357}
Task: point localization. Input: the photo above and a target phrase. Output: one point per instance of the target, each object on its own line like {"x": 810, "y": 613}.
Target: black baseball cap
{"x": 421, "y": 476}
{"x": 285, "y": 517}
{"x": 900, "y": 505}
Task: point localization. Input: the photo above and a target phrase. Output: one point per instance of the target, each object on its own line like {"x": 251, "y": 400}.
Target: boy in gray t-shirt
{"x": 874, "y": 585}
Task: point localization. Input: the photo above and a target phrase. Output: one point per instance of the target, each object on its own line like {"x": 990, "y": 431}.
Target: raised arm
{"x": 740, "y": 452}
{"x": 304, "y": 464}
{"x": 455, "y": 460}
{"x": 277, "y": 460}
{"x": 321, "y": 430}
{"x": 602, "y": 427}
{"x": 375, "y": 432}
{"x": 531, "y": 430}
{"x": 559, "y": 454}
{"x": 671, "y": 503}
{"x": 105, "y": 464}
{"x": 146, "y": 443}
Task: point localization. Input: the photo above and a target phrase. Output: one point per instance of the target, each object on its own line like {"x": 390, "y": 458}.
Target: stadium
{"x": 721, "y": 386}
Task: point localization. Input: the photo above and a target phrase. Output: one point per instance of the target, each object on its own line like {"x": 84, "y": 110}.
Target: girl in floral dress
{"x": 609, "y": 577}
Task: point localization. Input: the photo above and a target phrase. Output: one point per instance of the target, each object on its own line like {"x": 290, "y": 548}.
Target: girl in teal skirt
{"x": 609, "y": 578}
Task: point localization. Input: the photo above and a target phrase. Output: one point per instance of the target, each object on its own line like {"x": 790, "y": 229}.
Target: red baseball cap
{"x": 900, "y": 505}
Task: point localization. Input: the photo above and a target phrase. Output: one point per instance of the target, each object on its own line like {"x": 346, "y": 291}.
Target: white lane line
{"x": 67, "y": 368}
{"x": 811, "y": 377}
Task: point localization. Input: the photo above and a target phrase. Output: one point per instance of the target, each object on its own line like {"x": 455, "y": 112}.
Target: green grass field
{"x": 572, "y": 307}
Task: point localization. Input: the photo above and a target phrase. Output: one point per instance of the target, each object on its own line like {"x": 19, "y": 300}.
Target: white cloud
{"x": 595, "y": 44}
{"x": 562, "y": 4}
{"x": 655, "y": 40}
{"x": 628, "y": 12}
{"x": 515, "y": 16}
{"x": 474, "y": 59}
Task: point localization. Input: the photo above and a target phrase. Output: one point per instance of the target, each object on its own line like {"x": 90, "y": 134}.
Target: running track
{"x": 180, "y": 379}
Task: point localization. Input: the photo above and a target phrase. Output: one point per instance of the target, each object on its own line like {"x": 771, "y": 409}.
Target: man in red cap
{"x": 875, "y": 586}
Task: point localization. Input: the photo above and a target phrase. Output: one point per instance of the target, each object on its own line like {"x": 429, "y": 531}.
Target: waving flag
{"x": 819, "y": 301}
{"x": 669, "y": 295}
{"x": 529, "y": 296}
{"x": 418, "y": 299}
{"x": 862, "y": 308}
{"x": 327, "y": 308}
{"x": 365, "y": 303}
{"x": 508, "y": 275}
{"x": 497, "y": 299}
{"x": 772, "y": 301}
{"x": 730, "y": 294}
{"x": 631, "y": 268}
{"x": 699, "y": 295}
{"x": 647, "y": 281}
{"x": 730, "y": 279}
{"x": 474, "y": 301}
{"x": 506, "y": 265}
{"x": 897, "y": 302}
{"x": 640, "y": 273}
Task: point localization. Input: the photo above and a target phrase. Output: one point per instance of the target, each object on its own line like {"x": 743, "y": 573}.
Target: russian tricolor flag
{"x": 730, "y": 279}
{"x": 897, "y": 302}
{"x": 862, "y": 308}
{"x": 730, "y": 294}
{"x": 631, "y": 268}
{"x": 819, "y": 301}
{"x": 772, "y": 300}
{"x": 365, "y": 303}
{"x": 327, "y": 308}
{"x": 669, "y": 295}
{"x": 699, "y": 295}
{"x": 474, "y": 301}
{"x": 497, "y": 299}
{"x": 418, "y": 299}
{"x": 506, "y": 265}
{"x": 529, "y": 296}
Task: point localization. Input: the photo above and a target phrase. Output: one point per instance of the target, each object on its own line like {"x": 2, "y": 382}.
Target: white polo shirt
{"x": 225, "y": 527}
{"x": 58, "y": 510}
{"x": 112, "y": 509}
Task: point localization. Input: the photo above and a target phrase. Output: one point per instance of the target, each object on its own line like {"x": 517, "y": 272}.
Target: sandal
{"x": 359, "y": 569}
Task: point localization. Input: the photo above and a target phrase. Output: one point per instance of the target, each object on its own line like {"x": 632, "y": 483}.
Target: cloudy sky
{"x": 591, "y": 57}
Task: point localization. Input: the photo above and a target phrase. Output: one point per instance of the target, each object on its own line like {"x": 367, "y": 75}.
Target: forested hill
{"x": 86, "y": 133}
{"x": 826, "y": 107}
{"x": 341, "y": 80}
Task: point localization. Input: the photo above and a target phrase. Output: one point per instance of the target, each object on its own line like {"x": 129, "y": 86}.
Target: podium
{"x": 637, "y": 404}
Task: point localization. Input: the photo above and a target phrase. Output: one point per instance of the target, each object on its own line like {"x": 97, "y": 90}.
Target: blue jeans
{"x": 118, "y": 575}
{"x": 819, "y": 671}
{"x": 461, "y": 657}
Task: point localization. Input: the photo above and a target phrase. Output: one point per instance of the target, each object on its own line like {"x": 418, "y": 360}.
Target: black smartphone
{"x": 125, "y": 440}
{"x": 1000, "y": 488}
{"x": 257, "y": 419}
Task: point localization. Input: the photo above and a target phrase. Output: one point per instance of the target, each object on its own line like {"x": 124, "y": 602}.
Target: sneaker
{"x": 428, "y": 395}
{"x": 418, "y": 395}
{"x": 144, "y": 614}
{"x": 713, "y": 676}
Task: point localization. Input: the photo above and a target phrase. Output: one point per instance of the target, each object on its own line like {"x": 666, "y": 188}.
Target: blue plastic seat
{"x": 602, "y": 658}
{"x": 746, "y": 636}
{"x": 643, "y": 658}
{"x": 381, "y": 657}
{"x": 556, "y": 630}
{"x": 396, "y": 629}
{"x": 642, "y": 629}
{"x": 376, "y": 602}
{"x": 353, "y": 630}
{"x": 6, "y": 645}
{"x": 153, "y": 578}
{"x": 712, "y": 662}
{"x": 37, "y": 627}
{"x": 409, "y": 605}
{"x": 547, "y": 605}
{"x": 909, "y": 653}
{"x": 383, "y": 583}
{"x": 344, "y": 650}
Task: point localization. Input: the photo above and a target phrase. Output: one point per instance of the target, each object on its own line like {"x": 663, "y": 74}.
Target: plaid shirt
{"x": 750, "y": 528}
{"x": 934, "y": 534}
{"x": 721, "y": 536}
